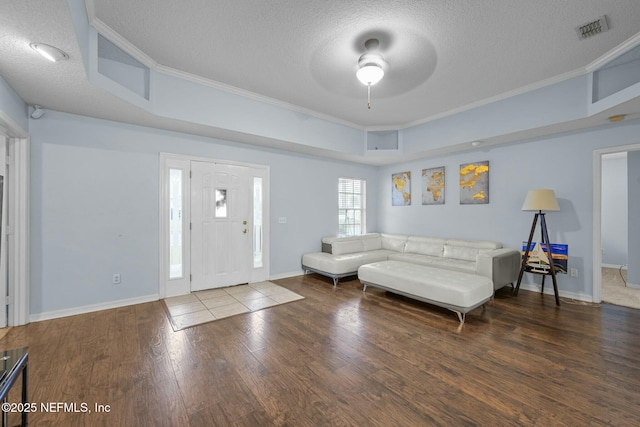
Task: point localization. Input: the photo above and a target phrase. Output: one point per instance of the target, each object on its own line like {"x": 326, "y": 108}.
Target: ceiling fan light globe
{"x": 370, "y": 74}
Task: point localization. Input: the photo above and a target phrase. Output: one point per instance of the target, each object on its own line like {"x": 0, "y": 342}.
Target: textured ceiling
{"x": 444, "y": 55}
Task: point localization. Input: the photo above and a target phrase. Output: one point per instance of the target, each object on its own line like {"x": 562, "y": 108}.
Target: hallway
{"x": 614, "y": 290}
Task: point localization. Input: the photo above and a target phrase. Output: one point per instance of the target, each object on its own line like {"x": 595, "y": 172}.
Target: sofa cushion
{"x": 327, "y": 242}
{"x": 346, "y": 247}
{"x": 455, "y": 265}
{"x": 435, "y": 261}
{"x": 342, "y": 264}
{"x": 467, "y": 250}
{"x": 460, "y": 252}
{"x": 414, "y": 258}
{"x": 478, "y": 244}
{"x": 425, "y": 246}
{"x": 394, "y": 242}
{"x": 330, "y": 239}
{"x": 372, "y": 244}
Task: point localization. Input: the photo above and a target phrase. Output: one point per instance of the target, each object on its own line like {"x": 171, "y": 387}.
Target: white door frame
{"x": 597, "y": 214}
{"x": 166, "y": 286}
{"x": 17, "y": 186}
{"x": 4, "y": 205}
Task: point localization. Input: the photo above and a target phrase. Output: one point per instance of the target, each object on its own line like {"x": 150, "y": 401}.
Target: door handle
{"x": 244, "y": 231}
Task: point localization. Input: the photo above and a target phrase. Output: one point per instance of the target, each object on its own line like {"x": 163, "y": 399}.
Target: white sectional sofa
{"x": 458, "y": 274}
{"x": 342, "y": 256}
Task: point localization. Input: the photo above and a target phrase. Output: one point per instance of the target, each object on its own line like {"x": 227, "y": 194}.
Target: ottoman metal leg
{"x": 461, "y": 316}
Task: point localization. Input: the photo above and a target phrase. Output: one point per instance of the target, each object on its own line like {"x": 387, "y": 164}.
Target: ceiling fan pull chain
{"x": 369, "y": 97}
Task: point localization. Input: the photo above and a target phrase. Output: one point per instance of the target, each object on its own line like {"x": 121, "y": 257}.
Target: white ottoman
{"x": 458, "y": 292}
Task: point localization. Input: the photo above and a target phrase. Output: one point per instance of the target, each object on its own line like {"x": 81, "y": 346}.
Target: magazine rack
{"x": 525, "y": 257}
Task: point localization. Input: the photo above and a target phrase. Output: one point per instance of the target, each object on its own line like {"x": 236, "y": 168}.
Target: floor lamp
{"x": 539, "y": 200}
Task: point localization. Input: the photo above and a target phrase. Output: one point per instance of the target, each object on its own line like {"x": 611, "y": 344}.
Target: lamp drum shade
{"x": 540, "y": 200}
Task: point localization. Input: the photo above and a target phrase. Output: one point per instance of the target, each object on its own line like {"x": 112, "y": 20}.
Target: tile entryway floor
{"x": 205, "y": 306}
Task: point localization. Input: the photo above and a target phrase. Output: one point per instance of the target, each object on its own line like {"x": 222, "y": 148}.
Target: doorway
{"x": 614, "y": 226}
{"x": 214, "y": 224}
{"x": 15, "y": 227}
{"x": 4, "y": 290}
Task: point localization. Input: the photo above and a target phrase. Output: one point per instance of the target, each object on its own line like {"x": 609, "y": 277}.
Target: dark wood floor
{"x": 342, "y": 358}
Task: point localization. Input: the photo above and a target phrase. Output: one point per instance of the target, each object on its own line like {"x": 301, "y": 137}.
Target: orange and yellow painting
{"x": 401, "y": 189}
{"x": 433, "y": 186}
{"x": 474, "y": 183}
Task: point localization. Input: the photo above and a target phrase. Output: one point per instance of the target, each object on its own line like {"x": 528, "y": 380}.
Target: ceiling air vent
{"x": 592, "y": 28}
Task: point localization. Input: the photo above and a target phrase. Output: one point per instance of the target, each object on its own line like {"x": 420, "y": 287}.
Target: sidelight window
{"x": 257, "y": 222}
{"x": 176, "y": 209}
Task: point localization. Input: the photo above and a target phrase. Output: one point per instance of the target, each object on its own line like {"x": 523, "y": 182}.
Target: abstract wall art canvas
{"x": 433, "y": 186}
{"x": 401, "y": 189}
{"x": 474, "y": 183}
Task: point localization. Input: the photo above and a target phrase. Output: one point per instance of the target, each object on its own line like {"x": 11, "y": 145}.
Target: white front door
{"x": 221, "y": 217}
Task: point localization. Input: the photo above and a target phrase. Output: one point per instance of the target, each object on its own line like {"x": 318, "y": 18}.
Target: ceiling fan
{"x": 371, "y": 67}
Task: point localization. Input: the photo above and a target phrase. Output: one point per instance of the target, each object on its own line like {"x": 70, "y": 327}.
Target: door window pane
{"x": 221, "y": 203}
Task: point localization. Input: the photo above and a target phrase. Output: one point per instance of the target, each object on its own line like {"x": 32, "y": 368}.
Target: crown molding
{"x": 614, "y": 53}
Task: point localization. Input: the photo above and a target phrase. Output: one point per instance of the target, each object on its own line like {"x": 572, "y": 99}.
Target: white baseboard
{"x": 48, "y": 315}
{"x": 548, "y": 290}
{"x": 286, "y": 275}
{"x": 624, "y": 267}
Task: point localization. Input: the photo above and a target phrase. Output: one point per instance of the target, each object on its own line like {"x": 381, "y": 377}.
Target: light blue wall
{"x": 196, "y": 103}
{"x": 614, "y": 210}
{"x": 94, "y": 202}
{"x": 557, "y": 103}
{"x": 633, "y": 171}
{"x": 563, "y": 163}
{"x": 13, "y": 106}
{"x": 94, "y": 206}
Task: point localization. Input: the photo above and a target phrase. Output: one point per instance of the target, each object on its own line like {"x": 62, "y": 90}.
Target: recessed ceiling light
{"x": 52, "y": 53}
{"x": 617, "y": 118}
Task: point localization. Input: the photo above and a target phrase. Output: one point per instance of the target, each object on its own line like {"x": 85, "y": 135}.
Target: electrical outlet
{"x": 116, "y": 279}
{"x": 574, "y": 272}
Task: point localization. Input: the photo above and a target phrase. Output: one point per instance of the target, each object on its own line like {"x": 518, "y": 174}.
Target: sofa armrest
{"x": 502, "y": 266}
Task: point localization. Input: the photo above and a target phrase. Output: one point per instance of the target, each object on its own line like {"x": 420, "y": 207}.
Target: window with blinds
{"x": 351, "y": 207}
